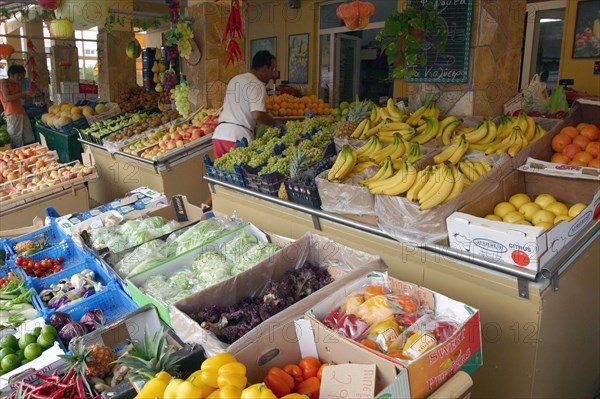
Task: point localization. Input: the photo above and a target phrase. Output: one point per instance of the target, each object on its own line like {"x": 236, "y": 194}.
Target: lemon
{"x": 558, "y": 208}
{"x": 503, "y": 208}
{"x": 544, "y": 200}
{"x": 576, "y": 209}
{"x": 518, "y": 200}
{"x": 493, "y": 217}
{"x": 524, "y": 222}
{"x": 513, "y": 217}
{"x": 529, "y": 209}
{"x": 543, "y": 216}
{"x": 560, "y": 218}
{"x": 545, "y": 225}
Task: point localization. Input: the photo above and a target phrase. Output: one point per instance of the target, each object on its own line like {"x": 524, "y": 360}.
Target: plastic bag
{"x": 203, "y": 232}
{"x": 255, "y": 254}
{"x": 144, "y": 258}
{"x": 238, "y": 246}
{"x": 558, "y": 101}
{"x": 535, "y": 96}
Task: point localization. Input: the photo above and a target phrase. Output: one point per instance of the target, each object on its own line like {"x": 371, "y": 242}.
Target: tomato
{"x": 38, "y": 273}
{"x": 60, "y": 259}
{"x": 45, "y": 264}
{"x": 20, "y": 258}
{"x": 37, "y": 265}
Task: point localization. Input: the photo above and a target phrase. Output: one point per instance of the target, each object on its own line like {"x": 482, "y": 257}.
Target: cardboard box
{"x": 584, "y": 110}
{"x": 343, "y": 263}
{"x": 429, "y": 371}
{"x": 48, "y": 357}
{"x": 524, "y": 247}
{"x": 178, "y": 263}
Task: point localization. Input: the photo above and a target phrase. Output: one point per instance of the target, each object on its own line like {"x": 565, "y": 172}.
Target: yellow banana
{"x": 374, "y": 114}
{"x": 539, "y": 132}
{"x": 373, "y": 130}
{"x": 347, "y": 166}
{"x": 430, "y": 131}
{"x": 446, "y": 127}
{"x": 516, "y": 145}
{"x": 505, "y": 127}
{"x": 397, "y": 184}
{"x": 447, "y": 153}
{"x": 359, "y": 167}
{"x": 383, "y": 114}
{"x": 478, "y": 134}
{"x": 414, "y": 154}
{"x": 420, "y": 181}
{"x": 492, "y": 133}
{"x": 440, "y": 192}
{"x": 385, "y": 171}
{"x": 381, "y": 155}
{"x": 501, "y": 146}
{"x": 435, "y": 179}
{"x": 373, "y": 144}
{"x": 433, "y": 111}
{"x": 458, "y": 154}
{"x": 359, "y": 128}
{"x": 395, "y": 126}
{"x": 459, "y": 184}
{"x": 529, "y": 132}
{"x": 393, "y": 110}
{"x": 340, "y": 160}
{"x": 481, "y": 170}
{"x": 468, "y": 170}
{"x": 413, "y": 119}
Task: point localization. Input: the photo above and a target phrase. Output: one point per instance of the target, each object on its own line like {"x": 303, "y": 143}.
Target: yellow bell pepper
{"x": 230, "y": 392}
{"x": 216, "y": 394}
{"x": 375, "y": 310}
{"x": 295, "y": 396}
{"x": 211, "y": 366}
{"x": 172, "y": 387}
{"x": 352, "y": 303}
{"x": 232, "y": 374}
{"x": 196, "y": 379}
{"x": 187, "y": 390}
{"x": 258, "y": 391}
{"x": 155, "y": 388}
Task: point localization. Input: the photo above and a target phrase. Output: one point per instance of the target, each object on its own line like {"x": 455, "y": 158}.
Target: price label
{"x": 348, "y": 381}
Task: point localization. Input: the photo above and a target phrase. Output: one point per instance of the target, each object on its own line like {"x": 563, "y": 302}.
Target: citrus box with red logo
{"x": 432, "y": 367}
{"x": 522, "y": 246}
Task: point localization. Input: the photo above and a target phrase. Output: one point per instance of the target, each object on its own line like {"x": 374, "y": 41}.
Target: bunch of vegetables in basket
{"x": 71, "y": 290}
{"x": 15, "y": 302}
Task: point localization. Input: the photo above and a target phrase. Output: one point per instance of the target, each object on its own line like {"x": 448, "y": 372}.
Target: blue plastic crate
{"x": 227, "y": 176}
{"x": 50, "y": 233}
{"x": 101, "y": 276}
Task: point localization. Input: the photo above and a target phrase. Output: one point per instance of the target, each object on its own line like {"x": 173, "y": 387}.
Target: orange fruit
{"x": 594, "y": 163}
{"x": 570, "y": 131}
{"x": 571, "y": 150}
{"x": 577, "y": 163}
{"x": 583, "y": 156}
{"x": 593, "y": 148}
{"x": 373, "y": 290}
{"x": 591, "y": 132}
{"x": 581, "y": 141}
{"x": 560, "y": 141}
{"x": 580, "y": 126}
{"x": 560, "y": 158}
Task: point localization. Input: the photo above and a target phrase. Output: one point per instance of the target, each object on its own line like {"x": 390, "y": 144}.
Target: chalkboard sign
{"x": 452, "y": 66}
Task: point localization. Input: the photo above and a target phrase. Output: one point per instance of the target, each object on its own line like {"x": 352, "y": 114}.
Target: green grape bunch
{"x": 180, "y": 94}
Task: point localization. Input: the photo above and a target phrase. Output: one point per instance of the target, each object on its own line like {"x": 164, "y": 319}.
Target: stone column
{"x": 64, "y": 52}
{"x": 494, "y": 65}
{"x": 35, "y": 28}
{"x": 116, "y": 70}
{"x": 210, "y": 76}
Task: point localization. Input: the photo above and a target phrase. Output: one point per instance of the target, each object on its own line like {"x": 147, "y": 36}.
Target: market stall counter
{"x": 524, "y": 314}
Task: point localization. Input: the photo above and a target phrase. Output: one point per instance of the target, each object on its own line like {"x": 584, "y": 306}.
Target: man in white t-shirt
{"x": 244, "y": 104}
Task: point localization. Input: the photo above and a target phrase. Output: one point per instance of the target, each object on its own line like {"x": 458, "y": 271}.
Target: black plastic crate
{"x": 236, "y": 178}
{"x": 306, "y": 195}
{"x": 266, "y": 184}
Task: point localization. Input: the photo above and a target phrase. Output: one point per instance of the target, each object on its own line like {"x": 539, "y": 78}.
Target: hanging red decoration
{"x": 355, "y": 14}
{"x": 232, "y": 29}
{"x": 49, "y": 4}
{"x": 6, "y": 51}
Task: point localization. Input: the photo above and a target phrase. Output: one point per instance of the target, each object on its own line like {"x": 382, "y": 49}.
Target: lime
{"x": 48, "y": 329}
{"x": 45, "y": 340}
{"x": 19, "y": 353}
{"x": 9, "y": 341}
{"x": 27, "y": 339}
{"x": 6, "y": 351}
{"x": 32, "y": 351}
{"x": 37, "y": 331}
{"x": 10, "y": 362}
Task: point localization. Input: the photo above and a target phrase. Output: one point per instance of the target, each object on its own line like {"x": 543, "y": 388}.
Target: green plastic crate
{"x": 66, "y": 145}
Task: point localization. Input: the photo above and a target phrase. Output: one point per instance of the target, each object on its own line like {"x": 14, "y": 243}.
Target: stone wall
{"x": 495, "y": 58}
{"x": 208, "y": 79}
{"x": 116, "y": 70}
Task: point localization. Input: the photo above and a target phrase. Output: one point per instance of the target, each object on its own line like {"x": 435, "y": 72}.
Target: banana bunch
{"x": 395, "y": 150}
{"x": 385, "y": 171}
{"x": 343, "y": 165}
{"x": 429, "y": 132}
{"x": 436, "y": 185}
{"x": 512, "y": 144}
{"x": 372, "y": 146}
{"x": 385, "y": 129}
{"x": 397, "y": 183}
{"x": 390, "y": 113}
{"x": 480, "y": 136}
{"x": 473, "y": 170}
{"x": 359, "y": 167}
{"x": 447, "y": 126}
{"x": 430, "y": 109}
{"x": 454, "y": 152}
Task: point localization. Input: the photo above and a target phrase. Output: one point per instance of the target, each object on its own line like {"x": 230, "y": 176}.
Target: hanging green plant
{"x": 403, "y": 33}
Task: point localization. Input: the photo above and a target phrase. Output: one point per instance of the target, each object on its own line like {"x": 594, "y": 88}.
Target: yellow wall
{"x": 579, "y": 69}
{"x": 274, "y": 18}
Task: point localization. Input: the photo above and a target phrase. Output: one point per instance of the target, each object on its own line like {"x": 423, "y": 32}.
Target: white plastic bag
{"x": 535, "y": 96}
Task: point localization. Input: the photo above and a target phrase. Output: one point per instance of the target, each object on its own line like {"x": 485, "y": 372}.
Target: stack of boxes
{"x": 74, "y": 92}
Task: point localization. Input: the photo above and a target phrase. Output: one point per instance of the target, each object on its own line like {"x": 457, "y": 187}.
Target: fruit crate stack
{"x": 303, "y": 190}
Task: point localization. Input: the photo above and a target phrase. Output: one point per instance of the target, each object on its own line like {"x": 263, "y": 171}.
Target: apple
{"x": 171, "y": 145}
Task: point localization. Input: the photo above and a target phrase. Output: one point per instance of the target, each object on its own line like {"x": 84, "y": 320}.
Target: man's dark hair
{"x": 15, "y": 69}
{"x": 261, "y": 59}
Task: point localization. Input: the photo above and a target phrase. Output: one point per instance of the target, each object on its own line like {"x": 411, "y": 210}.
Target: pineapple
{"x": 95, "y": 361}
{"x": 23, "y": 246}
{"x": 360, "y": 111}
{"x": 148, "y": 358}
{"x": 298, "y": 163}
